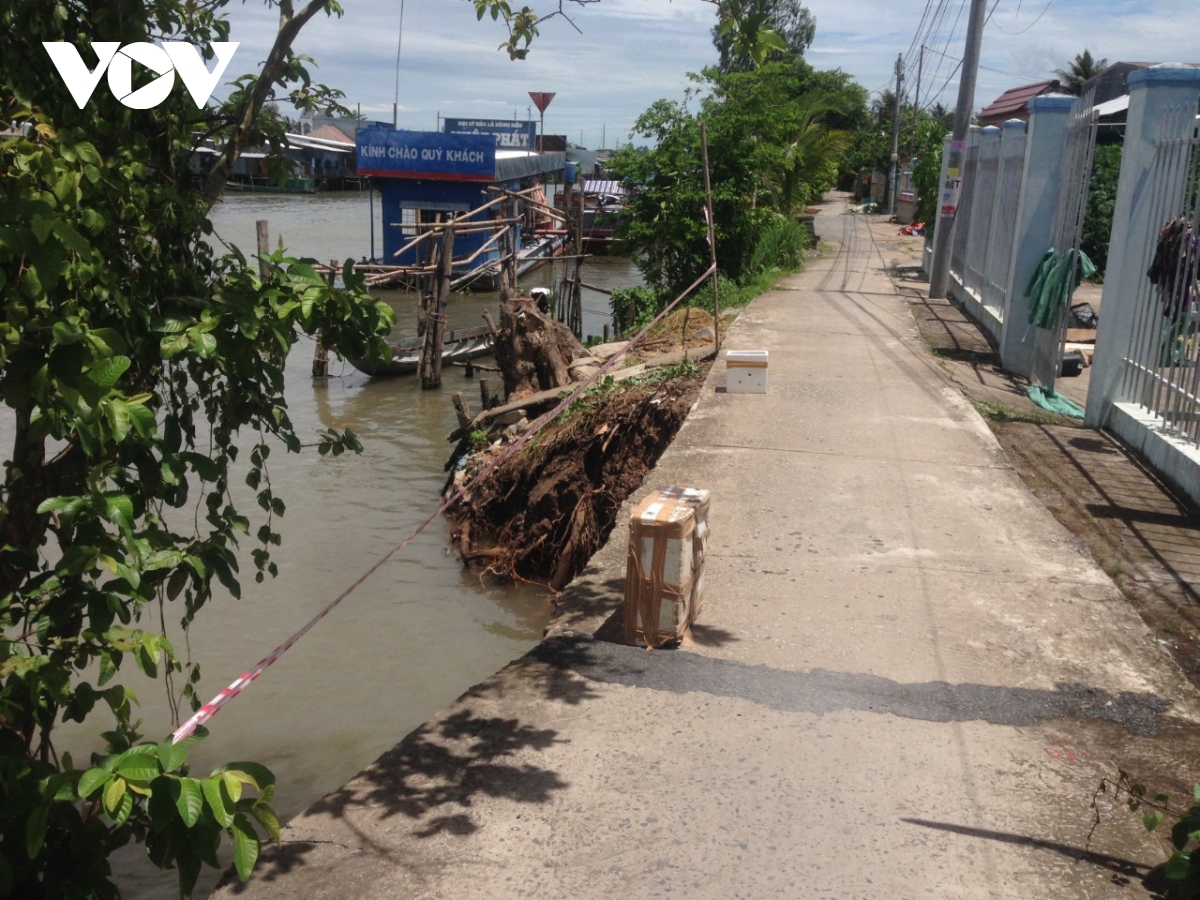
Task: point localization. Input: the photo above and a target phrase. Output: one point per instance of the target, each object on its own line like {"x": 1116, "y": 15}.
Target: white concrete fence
{"x": 1144, "y": 385}
{"x": 1022, "y": 196}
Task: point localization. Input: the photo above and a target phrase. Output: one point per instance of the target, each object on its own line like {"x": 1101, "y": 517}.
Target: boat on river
{"x": 460, "y": 345}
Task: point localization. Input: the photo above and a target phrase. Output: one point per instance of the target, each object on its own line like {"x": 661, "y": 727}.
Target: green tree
{"x": 773, "y": 146}
{"x": 1081, "y": 69}
{"x": 790, "y": 21}
{"x": 748, "y": 31}
{"x": 1101, "y": 205}
{"x": 928, "y": 143}
{"x": 136, "y": 366}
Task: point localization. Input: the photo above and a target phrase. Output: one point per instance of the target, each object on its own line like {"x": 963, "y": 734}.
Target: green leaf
{"x": 233, "y": 784}
{"x": 107, "y": 372}
{"x": 54, "y": 504}
{"x": 124, "y": 810}
{"x": 245, "y": 847}
{"x": 267, "y": 818}
{"x": 71, "y": 238}
{"x": 35, "y": 829}
{"x": 113, "y": 795}
{"x": 119, "y": 510}
{"x": 137, "y": 768}
{"x": 218, "y": 800}
{"x": 172, "y": 324}
{"x": 171, "y": 755}
{"x": 118, "y": 419}
{"x": 205, "y": 345}
{"x": 143, "y": 420}
{"x": 1179, "y": 865}
{"x": 190, "y": 801}
{"x": 1152, "y": 819}
{"x": 255, "y": 774}
{"x": 177, "y": 582}
{"x": 173, "y": 345}
{"x": 41, "y": 226}
{"x": 91, "y": 780}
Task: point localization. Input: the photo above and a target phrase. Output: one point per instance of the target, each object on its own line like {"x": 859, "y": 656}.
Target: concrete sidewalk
{"x": 907, "y": 679}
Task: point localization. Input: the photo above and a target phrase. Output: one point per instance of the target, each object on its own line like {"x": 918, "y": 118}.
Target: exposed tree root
{"x": 542, "y": 515}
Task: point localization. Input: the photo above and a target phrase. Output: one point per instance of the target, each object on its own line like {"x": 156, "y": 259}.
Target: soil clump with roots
{"x": 541, "y": 514}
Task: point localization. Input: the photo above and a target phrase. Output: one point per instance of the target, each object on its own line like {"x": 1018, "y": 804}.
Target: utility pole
{"x": 896, "y": 136}
{"x": 951, "y": 190}
{"x": 399, "y": 46}
{"x": 912, "y": 146}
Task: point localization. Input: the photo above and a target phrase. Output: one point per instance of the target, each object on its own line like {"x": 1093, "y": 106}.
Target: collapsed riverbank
{"x": 541, "y": 513}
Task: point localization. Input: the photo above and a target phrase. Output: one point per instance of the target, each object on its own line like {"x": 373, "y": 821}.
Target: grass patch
{"x": 995, "y": 411}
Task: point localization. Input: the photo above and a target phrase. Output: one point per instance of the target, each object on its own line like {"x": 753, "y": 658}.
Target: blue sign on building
{"x": 510, "y": 134}
{"x": 384, "y": 153}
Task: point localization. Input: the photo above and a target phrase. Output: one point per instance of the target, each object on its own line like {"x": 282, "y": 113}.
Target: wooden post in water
{"x": 462, "y": 411}
{"x": 264, "y": 247}
{"x": 509, "y": 249}
{"x": 435, "y": 330}
{"x": 320, "y": 364}
{"x": 577, "y": 287}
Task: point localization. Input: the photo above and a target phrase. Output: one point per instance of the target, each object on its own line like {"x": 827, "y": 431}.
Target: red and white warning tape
{"x": 239, "y": 684}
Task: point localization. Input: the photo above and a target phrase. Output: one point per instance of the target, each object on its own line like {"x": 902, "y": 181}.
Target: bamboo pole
{"x": 712, "y": 239}
{"x": 264, "y": 247}
{"x": 598, "y": 290}
{"x": 431, "y": 365}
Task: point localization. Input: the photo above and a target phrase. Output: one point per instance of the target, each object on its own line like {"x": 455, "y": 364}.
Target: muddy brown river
{"x": 409, "y": 640}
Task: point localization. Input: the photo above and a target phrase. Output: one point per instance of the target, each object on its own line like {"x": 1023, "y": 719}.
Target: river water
{"x": 414, "y": 636}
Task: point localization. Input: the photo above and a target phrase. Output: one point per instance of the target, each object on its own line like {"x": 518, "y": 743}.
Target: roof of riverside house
{"x": 1012, "y": 103}
{"x": 331, "y": 133}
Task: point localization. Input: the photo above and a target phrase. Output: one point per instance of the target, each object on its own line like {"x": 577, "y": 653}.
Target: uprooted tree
{"x": 137, "y": 366}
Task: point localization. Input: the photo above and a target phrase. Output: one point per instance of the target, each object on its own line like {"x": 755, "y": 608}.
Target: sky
{"x": 628, "y": 53}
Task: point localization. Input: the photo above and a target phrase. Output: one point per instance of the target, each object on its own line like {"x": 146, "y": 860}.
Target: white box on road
{"x": 746, "y": 371}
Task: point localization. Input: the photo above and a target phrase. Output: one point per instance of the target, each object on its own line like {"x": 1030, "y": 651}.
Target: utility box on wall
{"x": 746, "y": 371}
{"x": 664, "y": 575}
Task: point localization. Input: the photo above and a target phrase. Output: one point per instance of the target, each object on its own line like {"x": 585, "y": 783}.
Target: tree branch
{"x": 289, "y": 27}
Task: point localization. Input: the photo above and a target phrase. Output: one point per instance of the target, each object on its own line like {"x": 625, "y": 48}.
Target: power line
{"x": 988, "y": 68}
{"x": 1049, "y": 3}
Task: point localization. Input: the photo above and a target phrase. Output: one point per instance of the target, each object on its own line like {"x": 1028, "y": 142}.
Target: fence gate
{"x": 1160, "y": 372}
{"x": 1078, "y": 153}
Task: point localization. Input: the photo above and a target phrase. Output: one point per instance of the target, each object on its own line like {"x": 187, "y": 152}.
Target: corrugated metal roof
{"x": 604, "y": 186}
{"x": 524, "y": 166}
{"x": 1013, "y": 101}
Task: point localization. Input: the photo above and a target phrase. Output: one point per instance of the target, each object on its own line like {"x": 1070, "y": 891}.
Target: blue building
{"x": 424, "y": 175}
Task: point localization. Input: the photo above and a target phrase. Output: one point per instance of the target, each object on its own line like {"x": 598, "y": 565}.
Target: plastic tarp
{"x": 1054, "y": 402}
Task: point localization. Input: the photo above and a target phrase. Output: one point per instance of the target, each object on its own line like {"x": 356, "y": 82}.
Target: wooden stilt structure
{"x": 435, "y": 326}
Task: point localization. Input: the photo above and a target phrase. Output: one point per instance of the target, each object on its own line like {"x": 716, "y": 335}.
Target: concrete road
{"x": 907, "y": 679}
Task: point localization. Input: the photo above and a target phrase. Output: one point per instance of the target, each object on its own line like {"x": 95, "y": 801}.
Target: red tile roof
{"x": 331, "y": 133}
{"x": 1012, "y": 102}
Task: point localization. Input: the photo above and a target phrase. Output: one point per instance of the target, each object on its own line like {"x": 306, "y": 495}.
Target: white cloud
{"x": 632, "y": 52}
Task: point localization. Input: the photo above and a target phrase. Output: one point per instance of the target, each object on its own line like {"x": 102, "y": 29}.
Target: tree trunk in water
{"x": 533, "y": 351}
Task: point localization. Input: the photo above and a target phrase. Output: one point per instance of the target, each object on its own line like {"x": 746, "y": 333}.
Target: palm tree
{"x": 811, "y": 153}
{"x": 1082, "y": 69}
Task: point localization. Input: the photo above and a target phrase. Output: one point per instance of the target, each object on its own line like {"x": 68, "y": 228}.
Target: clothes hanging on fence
{"x": 1173, "y": 269}
{"x": 1055, "y": 280}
